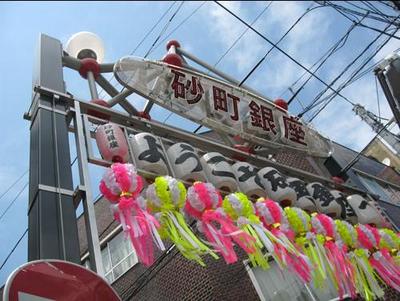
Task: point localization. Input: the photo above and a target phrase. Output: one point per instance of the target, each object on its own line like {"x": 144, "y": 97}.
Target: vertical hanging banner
{"x": 219, "y": 106}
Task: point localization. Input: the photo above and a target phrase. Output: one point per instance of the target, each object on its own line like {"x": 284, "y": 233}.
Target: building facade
{"x": 173, "y": 277}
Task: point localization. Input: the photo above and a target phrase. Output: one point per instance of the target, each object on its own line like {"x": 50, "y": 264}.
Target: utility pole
{"x": 388, "y": 74}
{"x": 373, "y": 121}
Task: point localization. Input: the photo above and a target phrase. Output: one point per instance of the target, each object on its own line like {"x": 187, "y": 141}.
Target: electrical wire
{"x": 309, "y": 9}
{"x": 10, "y": 205}
{"x": 375, "y": 9}
{"x": 284, "y": 52}
{"x": 164, "y": 28}
{"x": 177, "y": 27}
{"x": 314, "y": 102}
{"x": 386, "y": 4}
{"x": 353, "y": 76}
{"x": 341, "y": 87}
{"x": 13, "y": 201}
{"x": 229, "y": 49}
{"x": 144, "y": 38}
{"x": 144, "y": 279}
{"x": 355, "y": 13}
{"x": 13, "y": 184}
{"x": 364, "y": 25}
{"x": 336, "y": 47}
{"x": 242, "y": 34}
{"x": 13, "y": 249}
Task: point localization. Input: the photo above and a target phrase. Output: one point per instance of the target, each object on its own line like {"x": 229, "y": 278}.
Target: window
{"x": 118, "y": 256}
{"x": 277, "y": 285}
{"x": 374, "y": 188}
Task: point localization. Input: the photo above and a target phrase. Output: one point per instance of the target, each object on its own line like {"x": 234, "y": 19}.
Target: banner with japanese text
{"x": 219, "y": 106}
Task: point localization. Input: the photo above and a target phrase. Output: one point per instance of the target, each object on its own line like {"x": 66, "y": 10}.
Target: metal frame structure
{"x": 54, "y": 112}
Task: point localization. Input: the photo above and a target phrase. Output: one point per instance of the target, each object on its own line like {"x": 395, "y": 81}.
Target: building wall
{"x": 176, "y": 278}
{"x": 378, "y": 150}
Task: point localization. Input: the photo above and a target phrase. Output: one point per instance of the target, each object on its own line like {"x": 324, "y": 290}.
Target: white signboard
{"x": 219, "y": 105}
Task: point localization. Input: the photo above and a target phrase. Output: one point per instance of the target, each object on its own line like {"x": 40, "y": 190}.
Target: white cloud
{"x": 306, "y": 42}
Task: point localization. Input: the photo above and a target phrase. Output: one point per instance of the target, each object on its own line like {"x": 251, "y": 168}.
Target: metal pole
{"x": 52, "y": 228}
{"x": 90, "y": 216}
{"x": 75, "y": 64}
{"x": 215, "y": 71}
{"x": 124, "y": 103}
{"x": 120, "y": 97}
{"x": 92, "y": 85}
{"x": 388, "y": 94}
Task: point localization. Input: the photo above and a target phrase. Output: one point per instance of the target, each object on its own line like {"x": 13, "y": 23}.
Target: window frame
{"x": 106, "y": 248}
{"x": 258, "y": 289}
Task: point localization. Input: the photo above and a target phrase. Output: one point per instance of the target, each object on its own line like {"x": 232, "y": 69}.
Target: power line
{"x": 242, "y": 34}
{"x": 275, "y": 45}
{"x": 164, "y": 28}
{"x": 20, "y": 192}
{"x": 178, "y": 26}
{"x": 145, "y": 37}
{"x": 144, "y": 281}
{"x": 13, "y": 184}
{"x": 375, "y": 9}
{"x": 13, "y": 249}
{"x": 13, "y": 201}
{"x": 351, "y": 77}
{"x": 356, "y": 13}
{"x": 319, "y": 95}
{"x": 364, "y": 25}
{"x": 229, "y": 49}
{"x": 284, "y": 52}
{"x": 337, "y": 46}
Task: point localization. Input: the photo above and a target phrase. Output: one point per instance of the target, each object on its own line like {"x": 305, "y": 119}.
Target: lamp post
{"x": 89, "y": 49}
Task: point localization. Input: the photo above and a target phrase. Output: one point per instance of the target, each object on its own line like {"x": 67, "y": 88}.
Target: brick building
{"x": 173, "y": 277}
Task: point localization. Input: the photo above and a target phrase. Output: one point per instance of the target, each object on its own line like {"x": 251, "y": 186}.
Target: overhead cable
{"x": 177, "y": 27}
{"x": 358, "y": 13}
{"x": 284, "y": 52}
{"x": 13, "y": 184}
{"x": 341, "y": 87}
{"x": 13, "y": 201}
{"x": 337, "y": 46}
{"x": 314, "y": 102}
{"x": 242, "y": 34}
{"x": 164, "y": 28}
{"x": 145, "y": 37}
{"x": 13, "y": 249}
{"x": 309, "y": 9}
{"x": 230, "y": 48}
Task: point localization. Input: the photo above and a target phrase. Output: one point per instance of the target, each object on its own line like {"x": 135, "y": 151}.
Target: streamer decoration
{"x": 121, "y": 185}
{"x": 204, "y": 204}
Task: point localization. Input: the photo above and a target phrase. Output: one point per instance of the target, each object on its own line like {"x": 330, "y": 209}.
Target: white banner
{"x": 219, "y": 106}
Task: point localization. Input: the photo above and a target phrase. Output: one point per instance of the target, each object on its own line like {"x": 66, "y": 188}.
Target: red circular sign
{"x": 56, "y": 280}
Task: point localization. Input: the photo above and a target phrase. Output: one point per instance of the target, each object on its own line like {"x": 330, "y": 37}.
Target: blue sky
{"x": 207, "y": 34}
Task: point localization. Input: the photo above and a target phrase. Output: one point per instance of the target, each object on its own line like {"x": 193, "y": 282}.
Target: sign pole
{"x": 51, "y": 214}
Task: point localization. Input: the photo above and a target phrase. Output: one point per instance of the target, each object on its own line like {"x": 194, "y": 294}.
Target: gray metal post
{"x": 92, "y": 233}
{"x": 223, "y": 75}
{"x": 389, "y": 96}
{"x": 110, "y": 89}
{"x": 92, "y": 85}
{"x": 51, "y": 214}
